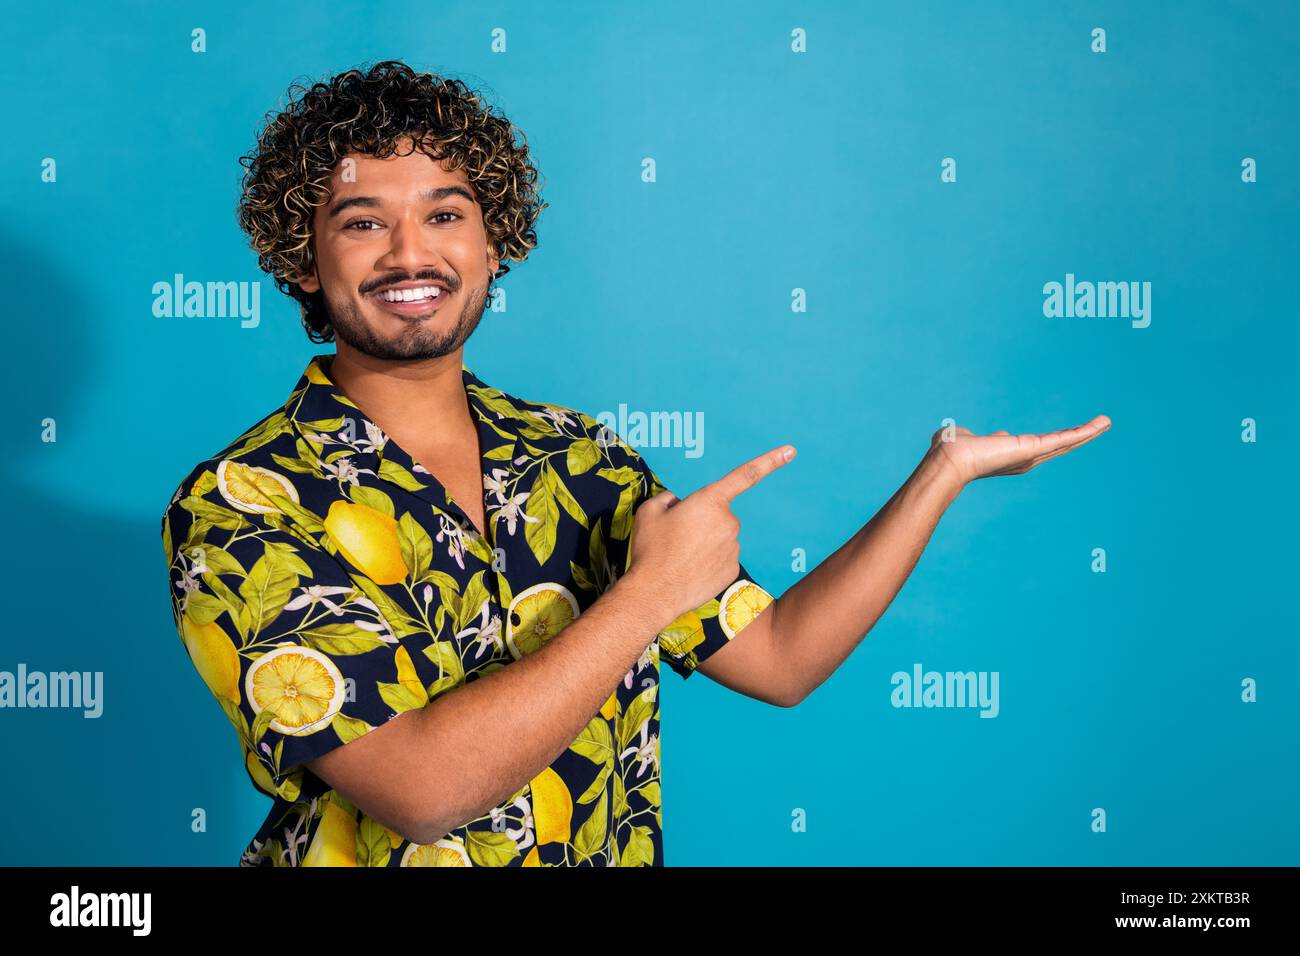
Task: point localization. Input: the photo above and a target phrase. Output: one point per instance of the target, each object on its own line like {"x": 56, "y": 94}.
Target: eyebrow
{"x": 428, "y": 195}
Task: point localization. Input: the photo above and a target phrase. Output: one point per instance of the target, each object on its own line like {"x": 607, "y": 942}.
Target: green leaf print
{"x": 416, "y": 545}
{"x": 349, "y": 728}
{"x": 401, "y": 622}
{"x": 540, "y": 534}
{"x": 596, "y": 743}
{"x": 637, "y": 713}
{"x": 341, "y": 639}
{"x": 592, "y": 836}
{"x": 598, "y": 785}
{"x": 490, "y": 848}
{"x": 214, "y": 514}
{"x": 267, "y": 589}
{"x": 294, "y": 464}
{"x": 640, "y": 848}
{"x": 392, "y": 471}
{"x": 582, "y": 456}
{"x": 562, "y": 494}
{"x": 203, "y": 608}
{"x": 373, "y": 845}
{"x": 400, "y": 697}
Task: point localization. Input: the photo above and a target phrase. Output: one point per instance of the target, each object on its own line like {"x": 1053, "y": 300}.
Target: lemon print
{"x": 335, "y": 842}
{"x": 249, "y": 489}
{"x": 316, "y": 376}
{"x": 542, "y": 611}
{"x": 740, "y": 604}
{"x": 258, "y": 773}
{"x": 446, "y": 852}
{"x": 368, "y": 539}
{"x": 302, "y": 686}
{"x": 533, "y": 858}
{"x": 552, "y": 807}
{"x": 683, "y": 635}
{"x": 214, "y": 656}
{"x": 610, "y": 707}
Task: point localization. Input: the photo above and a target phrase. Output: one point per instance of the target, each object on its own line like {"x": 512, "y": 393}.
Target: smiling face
{"x": 395, "y": 232}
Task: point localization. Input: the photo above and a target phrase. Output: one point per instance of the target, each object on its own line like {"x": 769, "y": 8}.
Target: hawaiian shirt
{"x": 323, "y": 582}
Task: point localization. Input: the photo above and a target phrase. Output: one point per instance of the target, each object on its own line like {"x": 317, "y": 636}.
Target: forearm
{"x": 488, "y": 738}
{"x": 820, "y": 620}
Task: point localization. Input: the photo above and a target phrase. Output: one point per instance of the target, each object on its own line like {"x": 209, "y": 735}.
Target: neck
{"x": 421, "y": 397}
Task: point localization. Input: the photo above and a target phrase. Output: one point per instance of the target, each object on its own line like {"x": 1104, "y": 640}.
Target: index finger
{"x": 746, "y": 476}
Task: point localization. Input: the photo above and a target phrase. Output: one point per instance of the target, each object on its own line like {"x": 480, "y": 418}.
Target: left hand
{"x": 971, "y": 456}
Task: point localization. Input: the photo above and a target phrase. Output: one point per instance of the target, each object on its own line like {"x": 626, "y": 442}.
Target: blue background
{"x": 776, "y": 171}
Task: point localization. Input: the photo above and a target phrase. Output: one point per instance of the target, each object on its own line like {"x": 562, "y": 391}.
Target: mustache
{"x": 380, "y": 284}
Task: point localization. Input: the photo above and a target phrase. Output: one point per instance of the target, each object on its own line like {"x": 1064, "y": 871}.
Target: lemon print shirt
{"x": 323, "y": 582}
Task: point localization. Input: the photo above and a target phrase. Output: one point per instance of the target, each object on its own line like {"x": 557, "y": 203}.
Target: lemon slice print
{"x": 335, "y": 842}
{"x": 740, "y": 604}
{"x": 552, "y": 807}
{"x": 249, "y": 489}
{"x": 536, "y": 615}
{"x": 214, "y": 656}
{"x": 302, "y": 686}
{"x": 448, "y": 851}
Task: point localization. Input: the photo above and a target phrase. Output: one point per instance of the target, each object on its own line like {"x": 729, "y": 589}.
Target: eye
{"x": 448, "y": 213}
{"x": 362, "y": 222}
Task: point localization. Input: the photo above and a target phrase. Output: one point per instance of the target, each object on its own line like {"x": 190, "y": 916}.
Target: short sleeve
{"x": 299, "y": 657}
{"x": 697, "y": 635}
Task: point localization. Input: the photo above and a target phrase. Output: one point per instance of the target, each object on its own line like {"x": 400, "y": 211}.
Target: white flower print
{"x": 646, "y": 754}
{"x": 488, "y": 630}
{"x": 511, "y": 511}
{"x": 455, "y": 537}
{"x": 344, "y": 469}
{"x": 495, "y": 484}
{"x": 522, "y": 834}
{"x": 555, "y": 415}
{"x": 318, "y": 593}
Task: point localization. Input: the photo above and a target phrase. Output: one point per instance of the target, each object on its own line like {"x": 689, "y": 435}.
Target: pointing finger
{"x": 746, "y": 476}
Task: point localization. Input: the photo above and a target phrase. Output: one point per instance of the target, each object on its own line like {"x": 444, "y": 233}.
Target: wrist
{"x": 937, "y": 471}
{"x": 644, "y": 598}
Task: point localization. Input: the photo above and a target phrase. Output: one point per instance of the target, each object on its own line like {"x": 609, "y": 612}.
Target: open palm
{"x": 1001, "y": 453}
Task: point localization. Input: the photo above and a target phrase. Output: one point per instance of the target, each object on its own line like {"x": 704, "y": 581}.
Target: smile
{"x": 421, "y": 301}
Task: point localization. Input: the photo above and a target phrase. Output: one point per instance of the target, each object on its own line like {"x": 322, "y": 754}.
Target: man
{"x": 433, "y": 611}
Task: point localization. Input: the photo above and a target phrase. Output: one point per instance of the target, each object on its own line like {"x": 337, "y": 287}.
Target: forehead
{"x": 408, "y": 172}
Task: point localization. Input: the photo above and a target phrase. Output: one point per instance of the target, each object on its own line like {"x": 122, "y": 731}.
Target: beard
{"x": 418, "y": 339}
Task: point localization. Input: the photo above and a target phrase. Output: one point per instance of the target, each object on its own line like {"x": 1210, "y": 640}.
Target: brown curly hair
{"x": 287, "y": 176}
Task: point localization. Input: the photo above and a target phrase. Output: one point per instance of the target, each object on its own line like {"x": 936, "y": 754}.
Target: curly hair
{"x": 287, "y": 175}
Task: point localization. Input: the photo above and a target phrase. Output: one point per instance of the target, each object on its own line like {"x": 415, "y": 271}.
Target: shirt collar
{"x": 338, "y": 434}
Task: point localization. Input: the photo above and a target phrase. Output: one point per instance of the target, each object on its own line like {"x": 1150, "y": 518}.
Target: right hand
{"x": 686, "y": 551}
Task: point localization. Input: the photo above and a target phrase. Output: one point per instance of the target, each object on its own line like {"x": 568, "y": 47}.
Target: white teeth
{"x": 410, "y": 295}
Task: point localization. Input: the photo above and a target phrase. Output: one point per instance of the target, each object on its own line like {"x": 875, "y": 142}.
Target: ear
{"x": 309, "y": 282}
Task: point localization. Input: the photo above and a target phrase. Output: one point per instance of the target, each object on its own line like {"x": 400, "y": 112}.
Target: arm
{"x": 804, "y": 635}
{"x": 428, "y": 770}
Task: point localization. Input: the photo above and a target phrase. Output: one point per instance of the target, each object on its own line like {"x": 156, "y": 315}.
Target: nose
{"x": 409, "y": 249}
